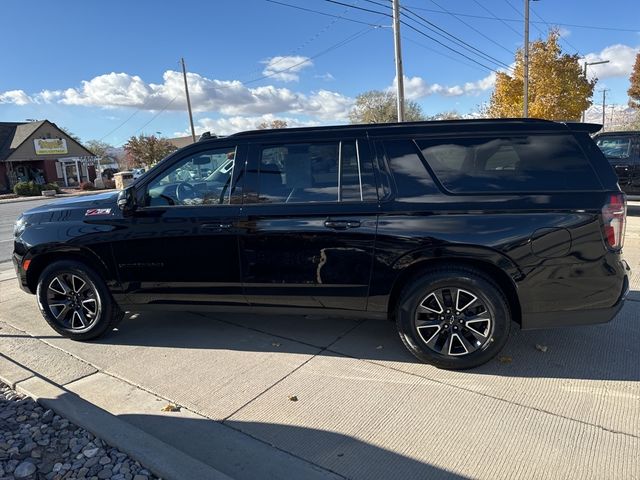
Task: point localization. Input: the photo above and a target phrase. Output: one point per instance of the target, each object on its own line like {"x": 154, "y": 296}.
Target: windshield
{"x": 615, "y": 147}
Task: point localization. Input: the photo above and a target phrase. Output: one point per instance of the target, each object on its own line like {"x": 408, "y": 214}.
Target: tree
{"x": 145, "y": 151}
{"x": 448, "y": 115}
{"x": 558, "y": 88}
{"x": 634, "y": 89}
{"x": 376, "y": 106}
{"x": 100, "y": 149}
{"x": 71, "y": 134}
{"x": 276, "y": 123}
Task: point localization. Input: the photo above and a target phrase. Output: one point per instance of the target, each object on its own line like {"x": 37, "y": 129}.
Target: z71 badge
{"x": 97, "y": 211}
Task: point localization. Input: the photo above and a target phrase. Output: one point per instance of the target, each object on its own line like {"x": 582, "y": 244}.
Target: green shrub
{"x": 27, "y": 189}
{"x": 51, "y": 186}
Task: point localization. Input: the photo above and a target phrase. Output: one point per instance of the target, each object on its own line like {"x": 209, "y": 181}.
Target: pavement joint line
{"x": 137, "y": 443}
{"x": 128, "y": 382}
{"x": 503, "y": 400}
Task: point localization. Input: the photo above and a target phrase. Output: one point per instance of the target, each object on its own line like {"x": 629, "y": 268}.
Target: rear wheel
{"x": 75, "y": 301}
{"x": 453, "y": 318}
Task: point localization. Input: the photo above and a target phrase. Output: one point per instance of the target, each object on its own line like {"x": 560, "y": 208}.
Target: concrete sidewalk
{"x": 365, "y": 409}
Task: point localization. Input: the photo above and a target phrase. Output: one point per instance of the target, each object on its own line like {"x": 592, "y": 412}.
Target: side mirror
{"x": 127, "y": 200}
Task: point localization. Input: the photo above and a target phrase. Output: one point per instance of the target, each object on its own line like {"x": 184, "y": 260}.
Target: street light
{"x": 586, "y": 64}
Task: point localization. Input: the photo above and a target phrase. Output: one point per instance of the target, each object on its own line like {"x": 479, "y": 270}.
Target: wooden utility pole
{"x": 525, "y": 112}
{"x": 186, "y": 89}
{"x": 398, "y": 52}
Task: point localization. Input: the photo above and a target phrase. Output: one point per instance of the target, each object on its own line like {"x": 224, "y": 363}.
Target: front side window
{"x": 615, "y": 147}
{"x": 311, "y": 172}
{"x": 201, "y": 179}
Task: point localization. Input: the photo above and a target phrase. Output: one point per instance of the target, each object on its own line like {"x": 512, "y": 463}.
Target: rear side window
{"x": 410, "y": 175}
{"x": 312, "y": 172}
{"x": 528, "y": 163}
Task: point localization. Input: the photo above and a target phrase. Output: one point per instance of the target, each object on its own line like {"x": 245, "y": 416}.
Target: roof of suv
{"x": 461, "y": 125}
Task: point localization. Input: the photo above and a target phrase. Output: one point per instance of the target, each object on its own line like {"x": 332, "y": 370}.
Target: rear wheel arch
{"x": 419, "y": 268}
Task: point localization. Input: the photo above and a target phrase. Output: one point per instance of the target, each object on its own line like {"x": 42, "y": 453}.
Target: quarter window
{"x": 534, "y": 163}
{"x": 201, "y": 179}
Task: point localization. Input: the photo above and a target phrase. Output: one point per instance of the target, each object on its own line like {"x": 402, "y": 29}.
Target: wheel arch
{"x": 419, "y": 267}
{"x": 40, "y": 260}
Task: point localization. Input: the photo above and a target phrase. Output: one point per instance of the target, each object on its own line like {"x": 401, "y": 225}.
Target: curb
{"x": 163, "y": 460}
{"x": 59, "y": 196}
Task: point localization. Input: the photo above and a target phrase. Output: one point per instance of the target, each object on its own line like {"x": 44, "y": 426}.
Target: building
{"x": 42, "y": 152}
{"x": 180, "y": 142}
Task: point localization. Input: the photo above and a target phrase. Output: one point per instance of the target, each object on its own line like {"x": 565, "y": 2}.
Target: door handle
{"x": 215, "y": 227}
{"x": 341, "y": 224}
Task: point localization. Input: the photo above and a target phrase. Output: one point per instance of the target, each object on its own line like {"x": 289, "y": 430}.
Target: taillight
{"x": 614, "y": 216}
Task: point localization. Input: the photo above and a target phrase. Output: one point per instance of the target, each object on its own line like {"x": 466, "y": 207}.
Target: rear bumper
{"x": 533, "y": 321}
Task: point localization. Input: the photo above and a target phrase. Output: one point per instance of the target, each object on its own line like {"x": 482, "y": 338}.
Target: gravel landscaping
{"x": 35, "y": 443}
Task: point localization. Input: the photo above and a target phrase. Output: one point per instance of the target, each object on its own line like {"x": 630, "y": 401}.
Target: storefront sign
{"x": 50, "y": 146}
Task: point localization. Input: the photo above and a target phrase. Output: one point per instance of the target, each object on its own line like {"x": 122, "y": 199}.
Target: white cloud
{"x": 285, "y": 68}
{"x": 327, "y": 77}
{"x": 621, "y": 59}
{"x": 229, "y": 125}
{"x": 17, "y": 97}
{"x": 230, "y": 98}
{"x": 417, "y": 87}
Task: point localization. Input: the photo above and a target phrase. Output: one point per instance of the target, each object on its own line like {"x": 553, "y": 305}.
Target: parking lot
{"x": 316, "y": 397}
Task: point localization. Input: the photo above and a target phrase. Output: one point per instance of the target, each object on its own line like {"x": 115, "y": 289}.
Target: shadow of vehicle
{"x": 600, "y": 352}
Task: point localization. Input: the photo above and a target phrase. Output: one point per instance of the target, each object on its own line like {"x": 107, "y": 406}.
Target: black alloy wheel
{"x": 453, "y": 318}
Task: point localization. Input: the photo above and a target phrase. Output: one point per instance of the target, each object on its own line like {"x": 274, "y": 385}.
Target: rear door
{"x": 308, "y": 226}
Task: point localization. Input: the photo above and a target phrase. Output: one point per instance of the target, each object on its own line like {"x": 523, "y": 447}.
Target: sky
{"x": 110, "y": 70}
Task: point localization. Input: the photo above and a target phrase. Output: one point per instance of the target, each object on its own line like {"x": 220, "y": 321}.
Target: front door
{"x": 181, "y": 246}
{"x": 308, "y": 225}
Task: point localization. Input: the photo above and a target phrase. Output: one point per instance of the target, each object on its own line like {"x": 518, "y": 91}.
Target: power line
{"x": 460, "y": 43}
{"x": 515, "y": 20}
{"x": 494, "y": 16}
{"x": 323, "y": 13}
{"x": 437, "y": 52}
{"x": 457, "y": 40}
{"x": 118, "y": 127}
{"x": 562, "y": 37}
{"x": 479, "y": 32}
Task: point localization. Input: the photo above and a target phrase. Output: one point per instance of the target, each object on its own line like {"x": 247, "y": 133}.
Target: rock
{"x": 47, "y": 417}
{"x": 83, "y": 472}
{"x": 90, "y": 452}
{"x": 91, "y": 462}
{"x": 57, "y": 467}
{"x": 36, "y": 453}
{"x": 140, "y": 477}
{"x": 105, "y": 473}
{"x": 24, "y": 470}
{"x": 104, "y": 460}
{"x": 21, "y": 418}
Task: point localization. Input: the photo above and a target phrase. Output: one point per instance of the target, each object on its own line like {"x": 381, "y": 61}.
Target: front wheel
{"x": 453, "y": 318}
{"x": 75, "y": 301}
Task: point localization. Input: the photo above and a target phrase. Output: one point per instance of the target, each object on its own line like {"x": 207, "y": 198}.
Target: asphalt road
{"x": 8, "y": 214}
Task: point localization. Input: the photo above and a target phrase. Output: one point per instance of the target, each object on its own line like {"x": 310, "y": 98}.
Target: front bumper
{"x": 21, "y": 273}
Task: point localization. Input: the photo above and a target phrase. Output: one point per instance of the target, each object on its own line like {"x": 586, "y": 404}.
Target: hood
{"x": 99, "y": 200}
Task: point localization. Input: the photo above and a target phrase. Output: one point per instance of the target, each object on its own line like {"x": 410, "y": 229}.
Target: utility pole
{"x": 604, "y": 104}
{"x": 525, "y": 112}
{"x": 398, "y": 52}
{"x": 186, "y": 89}
{"x": 586, "y": 64}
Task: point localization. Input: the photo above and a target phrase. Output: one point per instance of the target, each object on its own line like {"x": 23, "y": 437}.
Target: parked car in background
{"x": 137, "y": 172}
{"x": 453, "y": 230}
{"x": 622, "y": 150}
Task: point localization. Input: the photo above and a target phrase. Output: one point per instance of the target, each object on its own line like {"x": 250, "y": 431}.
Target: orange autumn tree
{"x": 558, "y": 88}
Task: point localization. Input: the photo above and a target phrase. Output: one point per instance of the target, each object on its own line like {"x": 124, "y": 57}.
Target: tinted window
{"x": 409, "y": 172}
{"x": 200, "y": 179}
{"x": 310, "y": 172}
{"x": 615, "y": 147}
{"x": 517, "y": 164}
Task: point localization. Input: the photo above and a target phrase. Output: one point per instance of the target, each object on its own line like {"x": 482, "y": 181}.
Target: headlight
{"x": 20, "y": 225}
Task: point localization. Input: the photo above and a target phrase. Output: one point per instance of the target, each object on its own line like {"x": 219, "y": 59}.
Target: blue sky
{"x": 109, "y": 70}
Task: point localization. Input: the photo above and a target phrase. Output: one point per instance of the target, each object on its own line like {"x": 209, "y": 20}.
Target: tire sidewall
{"x": 481, "y": 286}
{"x": 101, "y": 324}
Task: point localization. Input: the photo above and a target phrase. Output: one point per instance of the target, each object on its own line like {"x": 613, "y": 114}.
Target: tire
{"x": 436, "y": 332}
{"x": 75, "y": 301}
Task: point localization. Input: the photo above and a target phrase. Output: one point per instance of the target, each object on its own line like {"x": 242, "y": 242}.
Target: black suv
{"x": 622, "y": 149}
{"x": 451, "y": 229}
